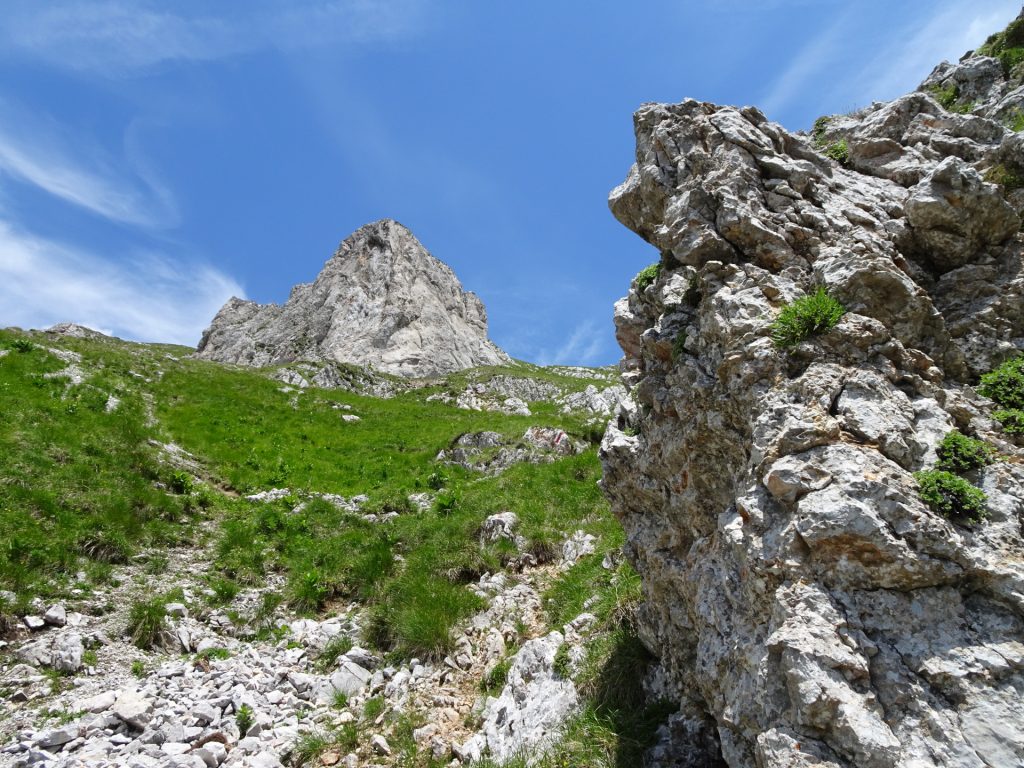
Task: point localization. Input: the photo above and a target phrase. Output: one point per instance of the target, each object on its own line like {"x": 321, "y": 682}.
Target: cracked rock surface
{"x": 807, "y": 606}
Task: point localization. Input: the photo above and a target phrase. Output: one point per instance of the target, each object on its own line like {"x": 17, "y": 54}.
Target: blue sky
{"x": 157, "y": 158}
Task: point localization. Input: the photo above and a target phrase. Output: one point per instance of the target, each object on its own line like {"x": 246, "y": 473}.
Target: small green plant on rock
{"x": 951, "y": 496}
{"x": 495, "y": 679}
{"x": 138, "y": 669}
{"x": 336, "y": 647}
{"x": 1015, "y": 120}
{"x": 245, "y": 718}
{"x": 809, "y": 315}
{"x": 838, "y": 151}
{"x": 949, "y": 99}
{"x": 561, "y": 664}
{"x": 647, "y": 276}
{"x": 1005, "y": 386}
{"x": 373, "y": 708}
{"x": 959, "y": 453}
{"x": 819, "y": 129}
{"x": 679, "y": 345}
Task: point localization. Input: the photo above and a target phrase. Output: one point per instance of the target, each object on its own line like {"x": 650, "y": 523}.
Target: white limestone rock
{"x": 807, "y": 606}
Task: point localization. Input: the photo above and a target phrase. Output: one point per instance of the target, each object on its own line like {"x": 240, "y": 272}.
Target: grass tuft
{"x": 146, "y": 622}
{"x": 807, "y": 316}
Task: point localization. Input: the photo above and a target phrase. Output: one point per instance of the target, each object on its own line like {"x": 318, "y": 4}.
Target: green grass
{"x": 838, "y": 151}
{"x": 77, "y": 484}
{"x": 1010, "y": 179}
{"x": 336, "y": 647}
{"x": 494, "y": 681}
{"x": 1007, "y": 46}
{"x": 807, "y": 316}
{"x": 84, "y": 489}
{"x": 949, "y": 99}
{"x": 1015, "y": 120}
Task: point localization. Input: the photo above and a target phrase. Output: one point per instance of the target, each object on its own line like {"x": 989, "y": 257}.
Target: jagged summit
{"x": 381, "y": 300}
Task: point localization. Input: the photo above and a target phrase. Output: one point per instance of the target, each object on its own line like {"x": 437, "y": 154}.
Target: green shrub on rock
{"x": 1005, "y": 386}
{"x": 646, "y": 276}
{"x": 839, "y": 151}
{"x": 959, "y": 453}
{"x": 951, "y": 496}
{"x": 807, "y": 316}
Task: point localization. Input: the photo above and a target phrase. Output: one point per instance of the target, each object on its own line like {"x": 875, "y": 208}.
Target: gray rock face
{"x": 535, "y": 702}
{"x": 807, "y": 606}
{"x": 382, "y": 300}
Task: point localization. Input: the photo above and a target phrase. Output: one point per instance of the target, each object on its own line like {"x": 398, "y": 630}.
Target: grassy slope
{"x": 82, "y": 489}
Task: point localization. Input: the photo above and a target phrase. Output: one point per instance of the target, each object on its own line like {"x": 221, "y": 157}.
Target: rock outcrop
{"x": 382, "y": 301}
{"x": 808, "y": 607}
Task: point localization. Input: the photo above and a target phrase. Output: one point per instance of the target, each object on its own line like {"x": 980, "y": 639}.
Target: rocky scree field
{"x": 210, "y": 565}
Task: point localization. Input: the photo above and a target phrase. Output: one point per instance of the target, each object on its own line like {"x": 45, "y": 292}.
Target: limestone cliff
{"x": 808, "y": 607}
{"x": 382, "y": 300}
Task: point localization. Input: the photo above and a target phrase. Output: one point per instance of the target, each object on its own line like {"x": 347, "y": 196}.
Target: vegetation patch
{"x": 1008, "y": 178}
{"x": 951, "y": 496}
{"x": 146, "y": 621}
{"x": 646, "y": 276}
{"x": 1007, "y": 46}
{"x": 494, "y": 681}
{"x": 1005, "y": 386}
{"x": 838, "y": 151}
{"x": 959, "y": 453}
{"x": 949, "y": 99}
{"x": 807, "y": 316}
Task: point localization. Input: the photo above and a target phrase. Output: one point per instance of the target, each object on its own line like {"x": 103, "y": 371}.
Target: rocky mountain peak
{"x": 382, "y": 300}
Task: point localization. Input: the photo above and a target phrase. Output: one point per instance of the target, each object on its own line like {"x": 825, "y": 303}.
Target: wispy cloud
{"x": 952, "y": 30}
{"x": 39, "y": 152}
{"x": 583, "y": 347}
{"x": 121, "y": 36}
{"x": 145, "y": 296}
{"x": 832, "y": 64}
{"x": 809, "y": 62}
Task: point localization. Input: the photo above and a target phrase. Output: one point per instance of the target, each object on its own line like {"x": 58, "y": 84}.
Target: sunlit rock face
{"x": 808, "y": 608}
{"x": 382, "y": 300}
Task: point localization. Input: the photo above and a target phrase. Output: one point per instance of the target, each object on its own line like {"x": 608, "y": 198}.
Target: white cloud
{"x": 38, "y": 152}
{"x": 120, "y": 36}
{"x": 146, "y": 297}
